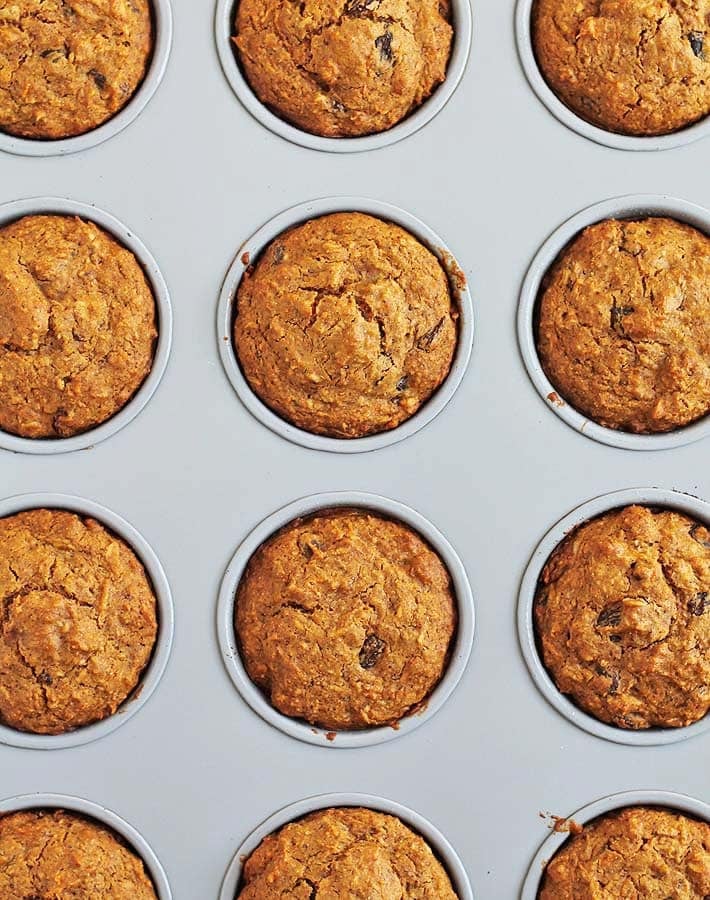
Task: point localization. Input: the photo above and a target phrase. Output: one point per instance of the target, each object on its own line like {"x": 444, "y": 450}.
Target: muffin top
{"x": 66, "y": 66}
{"x": 345, "y": 852}
{"x": 77, "y": 326}
{"x": 346, "y": 326}
{"x": 48, "y": 855}
{"x": 343, "y": 68}
{"x": 637, "y": 67}
{"x": 637, "y": 852}
{"x": 624, "y": 324}
{"x": 78, "y": 621}
{"x": 622, "y": 614}
{"x": 344, "y": 619}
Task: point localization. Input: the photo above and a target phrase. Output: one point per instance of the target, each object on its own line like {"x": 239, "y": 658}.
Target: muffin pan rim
{"x": 154, "y": 670}
{"x": 301, "y": 730}
{"x": 644, "y": 496}
{"x": 251, "y": 249}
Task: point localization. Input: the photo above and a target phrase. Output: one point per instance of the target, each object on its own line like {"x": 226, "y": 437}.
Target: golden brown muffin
{"x": 346, "y": 326}
{"x": 622, "y": 614}
{"x": 343, "y": 68}
{"x": 345, "y": 619}
{"x": 78, "y": 621}
{"x": 346, "y": 853}
{"x": 57, "y": 855}
{"x": 624, "y": 324}
{"x": 77, "y": 326}
{"x": 638, "y": 852}
{"x": 66, "y": 66}
{"x": 638, "y": 67}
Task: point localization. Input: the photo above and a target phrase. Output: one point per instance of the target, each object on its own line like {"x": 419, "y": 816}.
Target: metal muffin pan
{"x": 494, "y": 173}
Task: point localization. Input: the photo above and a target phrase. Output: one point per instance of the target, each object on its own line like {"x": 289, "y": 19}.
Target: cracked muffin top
{"x": 66, "y": 66}
{"x": 345, "y": 852}
{"x": 636, "y": 852}
{"x": 637, "y": 67}
{"x": 346, "y": 326}
{"x": 77, "y": 326}
{"x": 78, "y": 621}
{"x": 623, "y": 330}
{"x": 622, "y": 616}
{"x": 345, "y": 619}
{"x": 52, "y": 854}
{"x": 343, "y": 68}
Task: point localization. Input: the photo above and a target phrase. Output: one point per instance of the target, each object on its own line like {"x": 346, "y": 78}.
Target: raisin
{"x": 426, "y": 340}
{"x": 278, "y": 253}
{"x": 308, "y": 544}
{"x": 700, "y": 534}
{"x": 361, "y": 7}
{"x": 615, "y": 681}
{"x": 610, "y": 616}
{"x": 617, "y": 316}
{"x": 697, "y": 39}
{"x": 700, "y": 604}
{"x": 99, "y": 79}
{"x": 44, "y": 678}
{"x": 371, "y": 651}
{"x": 615, "y": 638}
{"x": 403, "y": 383}
{"x": 384, "y": 45}
{"x": 338, "y": 106}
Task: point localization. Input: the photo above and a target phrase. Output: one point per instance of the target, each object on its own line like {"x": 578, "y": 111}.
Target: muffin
{"x": 53, "y": 854}
{"x": 641, "y": 67}
{"x": 78, "y": 621}
{"x": 346, "y": 325}
{"x": 77, "y": 326}
{"x": 622, "y": 616}
{"x": 623, "y": 324}
{"x": 636, "y": 852}
{"x": 345, "y": 619}
{"x": 343, "y": 68}
{"x": 345, "y": 852}
{"x": 67, "y": 67}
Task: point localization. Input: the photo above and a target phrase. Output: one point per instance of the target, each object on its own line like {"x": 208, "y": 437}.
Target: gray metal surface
{"x": 494, "y": 174}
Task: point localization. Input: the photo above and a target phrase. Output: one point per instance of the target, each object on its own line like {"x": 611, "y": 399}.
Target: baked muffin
{"x": 640, "y": 67}
{"x": 622, "y": 615}
{"x": 623, "y": 327}
{"x": 346, "y": 326}
{"x": 77, "y": 326}
{"x": 343, "y": 68}
{"x": 66, "y": 66}
{"x": 55, "y": 855}
{"x": 345, "y": 852}
{"x": 636, "y": 852}
{"x": 78, "y": 621}
{"x": 345, "y": 619}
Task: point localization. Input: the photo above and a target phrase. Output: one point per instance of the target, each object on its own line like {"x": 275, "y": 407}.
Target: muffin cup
{"x": 103, "y": 816}
{"x": 461, "y": 46}
{"x": 249, "y": 253}
{"x": 563, "y": 113}
{"x": 297, "y": 728}
{"x": 163, "y": 28}
{"x": 657, "y": 497}
{"x": 16, "y": 209}
{"x": 438, "y": 843}
{"x": 156, "y": 666}
{"x": 629, "y": 207}
{"x": 677, "y": 802}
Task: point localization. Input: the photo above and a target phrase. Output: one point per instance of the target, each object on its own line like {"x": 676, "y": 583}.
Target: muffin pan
{"x": 493, "y": 173}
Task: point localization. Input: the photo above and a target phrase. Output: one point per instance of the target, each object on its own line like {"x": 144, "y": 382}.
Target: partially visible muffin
{"x": 66, "y": 66}
{"x": 635, "y": 852}
{"x": 57, "y": 855}
{"x": 78, "y": 621}
{"x": 345, "y": 852}
{"x": 343, "y": 68}
{"x": 622, "y": 617}
{"x": 346, "y": 326}
{"x": 77, "y": 326}
{"x": 345, "y": 619}
{"x": 623, "y": 324}
{"x": 640, "y": 67}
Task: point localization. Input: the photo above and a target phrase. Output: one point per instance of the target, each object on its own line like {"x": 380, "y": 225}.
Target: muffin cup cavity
{"x": 628, "y": 207}
{"x": 250, "y": 251}
{"x": 10, "y": 212}
{"x": 654, "y": 497}
{"x": 164, "y": 604}
{"x": 666, "y": 799}
{"x": 463, "y": 28}
{"x": 438, "y": 843}
{"x": 303, "y": 731}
